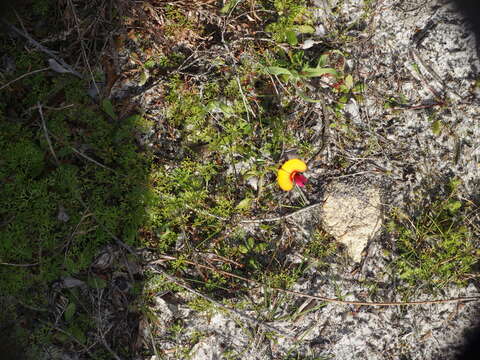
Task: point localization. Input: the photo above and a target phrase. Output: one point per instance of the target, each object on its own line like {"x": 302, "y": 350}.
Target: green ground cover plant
{"x": 76, "y": 176}
{"x": 73, "y": 179}
{"x": 436, "y": 245}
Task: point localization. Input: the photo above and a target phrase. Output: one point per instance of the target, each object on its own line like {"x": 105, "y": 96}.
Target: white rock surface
{"x": 352, "y": 217}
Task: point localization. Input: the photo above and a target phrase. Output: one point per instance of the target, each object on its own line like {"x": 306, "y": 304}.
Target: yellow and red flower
{"x": 290, "y": 174}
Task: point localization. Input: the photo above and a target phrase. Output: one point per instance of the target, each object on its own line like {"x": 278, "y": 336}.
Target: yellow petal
{"x": 294, "y": 165}
{"x": 284, "y": 175}
{"x": 284, "y": 180}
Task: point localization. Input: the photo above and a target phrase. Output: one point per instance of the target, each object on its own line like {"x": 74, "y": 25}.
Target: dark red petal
{"x": 300, "y": 180}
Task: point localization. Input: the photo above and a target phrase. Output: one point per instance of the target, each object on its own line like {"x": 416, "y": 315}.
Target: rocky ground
{"x": 415, "y": 58}
{"x": 375, "y": 258}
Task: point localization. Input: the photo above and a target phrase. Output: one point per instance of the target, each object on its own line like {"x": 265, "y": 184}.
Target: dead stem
{"x": 45, "y": 130}
{"x": 323, "y": 298}
{"x": 216, "y": 303}
{"x": 42, "y": 48}
{"x": 22, "y": 76}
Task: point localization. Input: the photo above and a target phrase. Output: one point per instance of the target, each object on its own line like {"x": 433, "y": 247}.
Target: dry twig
{"x": 22, "y": 76}
{"x": 18, "y": 265}
{"x": 258, "y": 221}
{"x": 323, "y": 298}
{"x": 42, "y": 48}
{"x": 45, "y": 130}
{"x": 216, "y": 303}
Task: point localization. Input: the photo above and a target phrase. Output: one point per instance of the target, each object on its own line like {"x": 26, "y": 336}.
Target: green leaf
{"x": 454, "y": 205}
{"x": 305, "y": 29}
{"x": 149, "y": 64}
{"x": 243, "y": 249}
{"x": 306, "y": 98}
{"x": 69, "y": 311}
{"x": 78, "y": 333}
{"x": 261, "y": 247}
{"x": 276, "y": 70}
{"x": 96, "y": 282}
{"x": 291, "y": 37}
{"x": 314, "y": 72}
{"x": 213, "y": 105}
{"x": 250, "y": 242}
{"x": 359, "y": 87}
{"x": 107, "y": 107}
{"x": 253, "y": 263}
{"x": 454, "y": 184}
{"x": 244, "y": 204}
{"x": 227, "y": 110}
{"x": 437, "y": 127}
{"x": 220, "y": 106}
{"x": 322, "y": 60}
{"x": 228, "y": 6}
{"x": 143, "y": 78}
{"x": 349, "y": 81}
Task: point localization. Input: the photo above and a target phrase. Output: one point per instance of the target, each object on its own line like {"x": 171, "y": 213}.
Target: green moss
{"x": 97, "y": 203}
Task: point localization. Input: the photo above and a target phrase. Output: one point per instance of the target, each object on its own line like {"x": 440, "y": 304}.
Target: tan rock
{"x": 352, "y": 215}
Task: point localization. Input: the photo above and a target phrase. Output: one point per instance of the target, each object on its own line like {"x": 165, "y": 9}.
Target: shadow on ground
{"x": 73, "y": 191}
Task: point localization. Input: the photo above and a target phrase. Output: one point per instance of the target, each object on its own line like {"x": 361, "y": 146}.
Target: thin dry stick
{"x": 18, "y": 265}
{"x": 324, "y": 135}
{"x": 82, "y": 46}
{"x": 114, "y": 237}
{"x": 69, "y": 335}
{"x": 326, "y": 299}
{"x": 236, "y": 312}
{"x": 105, "y": 344}
{"x": 244, "y": 99}
{"x": 354, "y": 174}
{"x": 48, "y": 108}
{"x": 45, "y": 130}
{"x": 257, "y": 221}
{"x": 42, "y": 48}
{"x": 283, "y": 217}
{"x": 22, "y": 76}
{"x": 90, "y": 159}
{"x": 153, "y": 341}
{"x": 83, "y": 155}
{"x": 203, "y": 212}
